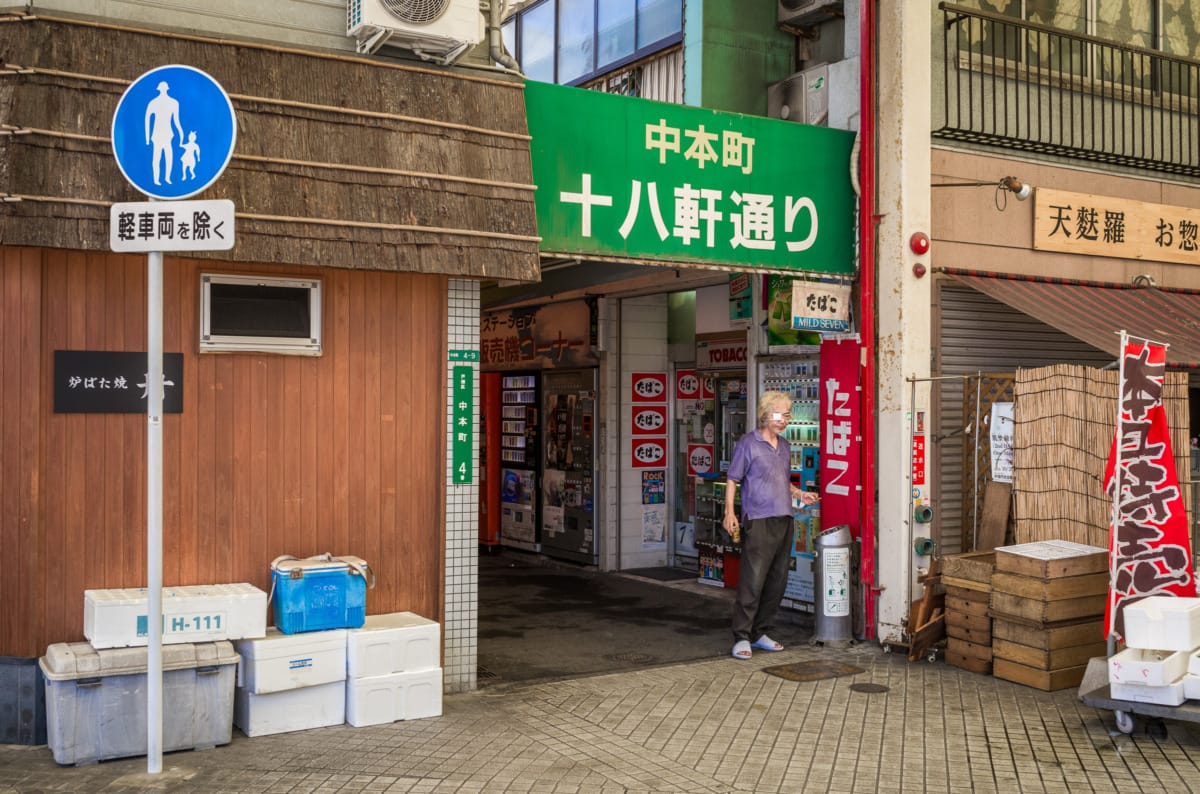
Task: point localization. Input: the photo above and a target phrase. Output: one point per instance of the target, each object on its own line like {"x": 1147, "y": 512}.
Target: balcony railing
{"x": 1021, "y": 85}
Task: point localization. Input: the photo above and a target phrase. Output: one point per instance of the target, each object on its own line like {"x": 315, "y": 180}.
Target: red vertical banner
{"x": 841, "y": 435}
{"x": 1149, "y": 546}
{"x": 918, "y": 459}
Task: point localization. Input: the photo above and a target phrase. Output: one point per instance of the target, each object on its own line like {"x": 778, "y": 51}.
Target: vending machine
{"x": 519, "y": 475}
{"x": 798, "y": 376}
{"x": 568, "y": 457}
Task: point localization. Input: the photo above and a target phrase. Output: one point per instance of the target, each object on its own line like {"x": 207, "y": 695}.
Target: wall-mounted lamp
{"x": 1022, "y": 190}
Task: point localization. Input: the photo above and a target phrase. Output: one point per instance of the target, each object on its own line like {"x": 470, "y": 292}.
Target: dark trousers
{"x": 762, "y": 575}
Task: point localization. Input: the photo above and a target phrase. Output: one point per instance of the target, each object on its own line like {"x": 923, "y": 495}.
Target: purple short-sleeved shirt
{"x": 764, "y": 474}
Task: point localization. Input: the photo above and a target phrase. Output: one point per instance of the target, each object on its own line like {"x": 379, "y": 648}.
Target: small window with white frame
{"x": 260, "y": 314}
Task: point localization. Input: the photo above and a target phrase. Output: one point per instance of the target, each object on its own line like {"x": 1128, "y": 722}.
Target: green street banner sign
{"x": 634, "y": 179}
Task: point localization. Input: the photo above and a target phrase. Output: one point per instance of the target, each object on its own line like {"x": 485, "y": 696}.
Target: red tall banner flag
{"x": 841, "y": 434}
{"x": 1148, "y": 544}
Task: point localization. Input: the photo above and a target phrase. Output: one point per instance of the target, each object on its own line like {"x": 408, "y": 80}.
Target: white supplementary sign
{"x": 818, "y": 306}
{"x": 142, "y": 226}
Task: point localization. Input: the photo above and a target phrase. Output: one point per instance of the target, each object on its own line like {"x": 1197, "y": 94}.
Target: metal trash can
{"x": 832, "y": 589}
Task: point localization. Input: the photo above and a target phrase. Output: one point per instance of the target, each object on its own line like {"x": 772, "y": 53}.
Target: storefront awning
{"x": 1095, "y": 313}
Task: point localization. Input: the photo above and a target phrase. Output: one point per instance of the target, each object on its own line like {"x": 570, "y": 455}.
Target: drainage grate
{"x": 869, "y": 689}
{"x": 812, "y": 671}
{"x": 482, "y": 673}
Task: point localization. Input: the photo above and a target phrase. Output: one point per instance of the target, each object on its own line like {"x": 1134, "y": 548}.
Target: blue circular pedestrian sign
{"x": 173, "y": 132}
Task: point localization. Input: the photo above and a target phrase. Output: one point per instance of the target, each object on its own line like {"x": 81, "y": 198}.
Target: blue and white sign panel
{"x": 205, "y": 225}
{"x": 173, "y": 132}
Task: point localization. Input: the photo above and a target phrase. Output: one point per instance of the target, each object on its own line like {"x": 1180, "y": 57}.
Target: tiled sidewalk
{"x": 713, "y": 726}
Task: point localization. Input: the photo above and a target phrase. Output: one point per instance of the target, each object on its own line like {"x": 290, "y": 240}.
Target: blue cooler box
{"x": 319, "y": 593}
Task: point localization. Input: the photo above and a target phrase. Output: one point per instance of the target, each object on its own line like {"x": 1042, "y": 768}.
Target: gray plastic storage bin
{"x": 96, "y": 700}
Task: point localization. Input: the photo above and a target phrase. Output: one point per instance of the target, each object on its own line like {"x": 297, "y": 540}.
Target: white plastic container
{"x": 1163, "y": 623}
{"x": 291, "y": 710}
{"x": 1147, "y": 668}
{"x": 399, "y": 696}
{"x": 1194, "y": 663}
{"x": 96, "y": 700}
{"x": 399, "y": 642}
{"x": 195, "y": 613}
{"x": 1191, "y": 686}
{"x": 279, "y": 661}
{"x": 1168, "y": 695}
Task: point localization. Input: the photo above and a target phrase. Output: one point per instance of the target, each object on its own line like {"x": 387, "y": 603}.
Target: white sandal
{"x": 767, "y": 644}
{"x": 741, "y": 649}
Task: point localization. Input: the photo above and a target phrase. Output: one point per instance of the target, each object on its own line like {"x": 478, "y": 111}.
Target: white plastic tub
{"x": 399, "y": 642}
{"x": 281, "y": 661}
{"x": 195, "y": 613}
{"x": 96, "y": 700}
{"x": 1146, "y": 667}
{"x": 291, "y": 710}
{"x": 388, "y": 698}
{"x": 1163, "y": 623}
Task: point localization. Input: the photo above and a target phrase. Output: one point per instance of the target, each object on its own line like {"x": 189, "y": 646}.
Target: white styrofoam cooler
{"x": 1167, "y": 695}
{"x": 1146, "y": 667}
{"x": 1163, "y": 623}
{"x": 279, "y": 661}
{"x": 194, "y": 613}
{"x": 1191, "y": 686}
{"x": 399, "y": 642}
{"x": 399, "y": 696}
{"x": 291, "y": 710}
{"x": 96, "y": 700}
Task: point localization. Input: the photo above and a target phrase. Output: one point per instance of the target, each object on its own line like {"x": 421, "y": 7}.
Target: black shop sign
{"x": 106, "y": 382}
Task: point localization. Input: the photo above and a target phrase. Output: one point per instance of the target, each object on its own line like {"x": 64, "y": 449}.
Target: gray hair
{"x": 769, "y": 401}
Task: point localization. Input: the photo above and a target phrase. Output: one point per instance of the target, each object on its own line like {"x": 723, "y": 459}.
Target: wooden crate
{"x": 969, "y": 594}
{"x": 971, "y": 649}
{"x": 968, "y": 633}
{"x": 1050, "y": 559}
{"x": 1041, "y": 659}
{"x": 974, "y": 566}
{"x": 1055, "y": 589}
{"x": 1045, "y": 680}
{"x": 967, "y": 606}
{"x": 1050, "y": 637}
{"x": 971, "y": 663}
{"x": 1007, "y": 605}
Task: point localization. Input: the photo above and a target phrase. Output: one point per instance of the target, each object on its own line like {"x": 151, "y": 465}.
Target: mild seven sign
{"x": 635, "y": 179}
{"x": 173, "y": 132}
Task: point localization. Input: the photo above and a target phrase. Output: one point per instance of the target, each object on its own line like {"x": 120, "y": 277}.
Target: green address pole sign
{"x": 462, "y": 446}
{"x": 636, "y": 179}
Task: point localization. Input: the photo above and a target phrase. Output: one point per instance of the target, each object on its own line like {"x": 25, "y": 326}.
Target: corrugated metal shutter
{"x": 974, "y": 333}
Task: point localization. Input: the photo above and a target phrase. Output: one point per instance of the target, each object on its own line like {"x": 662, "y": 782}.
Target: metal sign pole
{"x": 154, "y": 448}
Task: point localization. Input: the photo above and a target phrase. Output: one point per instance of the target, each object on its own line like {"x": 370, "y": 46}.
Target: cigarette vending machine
{"x": 568, "y": 525}
{"x": 519, "y": 474}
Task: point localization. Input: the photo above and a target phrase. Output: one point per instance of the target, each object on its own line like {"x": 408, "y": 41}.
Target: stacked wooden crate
{"x": 1047, "y": 612}
{"x": 968, "y": 582}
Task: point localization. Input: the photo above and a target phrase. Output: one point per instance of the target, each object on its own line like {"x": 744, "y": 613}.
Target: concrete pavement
{"x": 715, "y": 725}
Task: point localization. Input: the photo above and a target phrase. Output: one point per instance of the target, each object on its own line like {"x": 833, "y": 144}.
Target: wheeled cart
{"x": 1094, "y": 691}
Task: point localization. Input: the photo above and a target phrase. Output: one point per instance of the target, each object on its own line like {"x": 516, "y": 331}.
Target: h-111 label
{"x": 187, "y": 622}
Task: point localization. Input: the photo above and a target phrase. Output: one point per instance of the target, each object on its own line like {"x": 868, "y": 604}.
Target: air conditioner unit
{"x": 803, "y": 97}
{"x": 433, "y": 29}
{"x": 807, "y": 12}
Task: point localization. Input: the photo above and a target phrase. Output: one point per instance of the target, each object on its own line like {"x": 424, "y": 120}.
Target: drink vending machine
{"x": 798, "y": 376}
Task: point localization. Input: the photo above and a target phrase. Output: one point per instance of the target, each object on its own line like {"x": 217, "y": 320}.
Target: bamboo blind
{"x": 1064, "y": 421}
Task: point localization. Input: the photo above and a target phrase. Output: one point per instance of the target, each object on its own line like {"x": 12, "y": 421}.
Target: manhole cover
{"x": 812, "y": 671}
{"x": 630, "y": 658}
{"x": 870, "y": 689}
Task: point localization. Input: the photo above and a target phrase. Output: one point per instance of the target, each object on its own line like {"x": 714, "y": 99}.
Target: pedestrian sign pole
{"x": 169, "y": 114}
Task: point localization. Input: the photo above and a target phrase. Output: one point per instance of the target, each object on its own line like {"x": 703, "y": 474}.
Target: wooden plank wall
{"x": 272, "y": 454}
